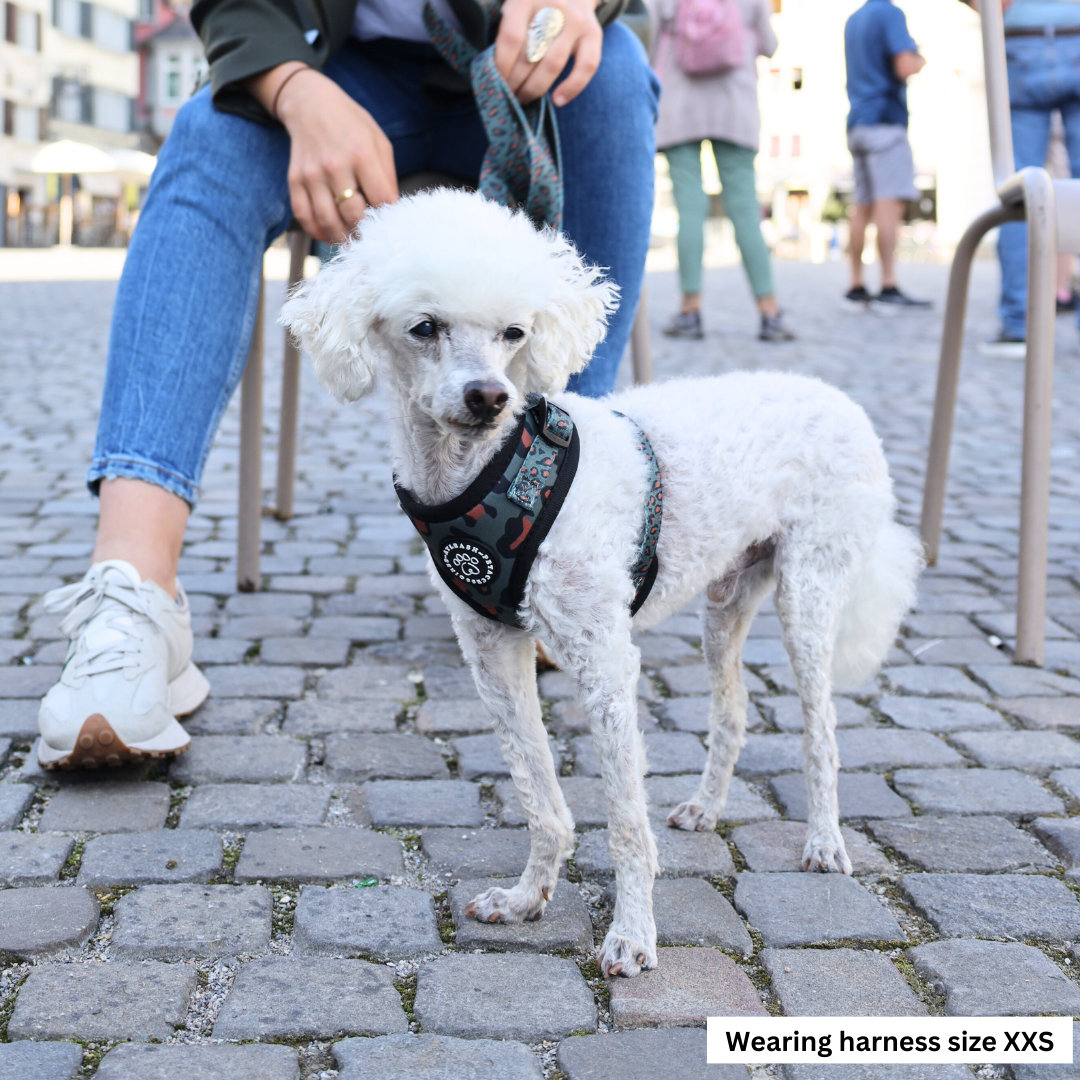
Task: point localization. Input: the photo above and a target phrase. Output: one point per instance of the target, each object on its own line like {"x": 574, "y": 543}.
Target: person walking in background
{"x": 718, "y": 104}
{"x": 881, "y": 56}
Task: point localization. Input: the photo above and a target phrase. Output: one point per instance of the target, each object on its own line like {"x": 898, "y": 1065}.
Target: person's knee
{"x": 623, "y": 78}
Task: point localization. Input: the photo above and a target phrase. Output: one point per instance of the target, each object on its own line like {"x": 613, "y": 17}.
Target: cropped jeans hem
{"x": 120, "y": 468}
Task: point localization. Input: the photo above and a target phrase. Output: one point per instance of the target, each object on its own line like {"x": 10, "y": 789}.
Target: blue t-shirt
{"x": 873, "y": 36}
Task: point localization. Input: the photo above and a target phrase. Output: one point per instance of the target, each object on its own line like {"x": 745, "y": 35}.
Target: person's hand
{"x": 581, "y": 37}
{"x": 336, "y": 147}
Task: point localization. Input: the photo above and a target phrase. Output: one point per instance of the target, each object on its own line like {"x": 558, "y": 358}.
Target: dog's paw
{"x": 626, "y": 954}
{"x": 506, "y": 906}
{"x": 826, "y": 854}
{"x": 692, "y": 817}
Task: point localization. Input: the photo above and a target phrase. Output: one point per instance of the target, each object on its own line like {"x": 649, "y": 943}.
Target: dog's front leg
{"x": 503, "y": 662}
{"x": 608, "y": 693}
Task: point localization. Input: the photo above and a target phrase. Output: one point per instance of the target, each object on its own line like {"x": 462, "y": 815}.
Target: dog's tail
{"x": 882, "y": 595}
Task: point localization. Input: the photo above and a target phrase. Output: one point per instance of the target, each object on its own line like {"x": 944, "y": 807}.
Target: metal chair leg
{"x": 640, "y": 344}
{"x": 299, "y": 246}
{"x": 952, "y": 338}
{"x": 1038, "y": 397}
{"x": 249, "y": 510}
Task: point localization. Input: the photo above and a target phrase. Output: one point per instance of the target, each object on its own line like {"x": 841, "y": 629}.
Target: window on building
{"x": 25, "y": 123}
{"x": 112, "y": 110}
{"x": 146, "y": 11}
{"x": 22, "y": 28}
{"x": 111, "y": 30}
{"x": 67, "y": 101}
{"x": 172, "y": 78}
{"x": 796, "y": 146}
{"x": 796, "y": 78}
{"x": 774, "y": 146}
{"x": 86, "y": 20}
{"x": 67, "y": 16}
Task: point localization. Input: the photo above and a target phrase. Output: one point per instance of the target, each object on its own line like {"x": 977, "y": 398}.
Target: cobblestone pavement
{"x": 298, "y": 878}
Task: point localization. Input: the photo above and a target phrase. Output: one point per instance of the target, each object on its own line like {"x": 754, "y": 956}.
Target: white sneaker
{"x": 128, "y": 672}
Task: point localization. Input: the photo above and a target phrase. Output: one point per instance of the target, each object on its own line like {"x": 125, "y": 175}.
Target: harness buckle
{"x": 558, "y": 427}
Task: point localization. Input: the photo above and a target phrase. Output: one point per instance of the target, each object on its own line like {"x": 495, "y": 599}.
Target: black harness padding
{"x": 484, "y": 541}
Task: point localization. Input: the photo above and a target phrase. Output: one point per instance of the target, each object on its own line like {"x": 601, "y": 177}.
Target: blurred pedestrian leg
{"x": 1044, "y": 75}
{"x": 735, "y": 165}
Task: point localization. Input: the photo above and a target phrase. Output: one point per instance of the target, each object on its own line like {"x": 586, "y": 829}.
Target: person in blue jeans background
{"x": 262, "y": 145}
{"x": 1042, "y": 49}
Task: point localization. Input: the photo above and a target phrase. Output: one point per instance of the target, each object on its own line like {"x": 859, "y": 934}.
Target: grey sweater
{"x": 725, "y": 106}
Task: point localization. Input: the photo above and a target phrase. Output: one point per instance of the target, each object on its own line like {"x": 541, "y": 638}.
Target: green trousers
{"x": 736, "y": 167}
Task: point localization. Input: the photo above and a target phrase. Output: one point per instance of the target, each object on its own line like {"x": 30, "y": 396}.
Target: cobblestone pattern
{"x": 339, "y": 686}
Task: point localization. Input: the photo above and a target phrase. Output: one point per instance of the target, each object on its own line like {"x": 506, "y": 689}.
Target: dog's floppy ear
{"x": 332, "y": 316}
{"x": 573, "y": 321}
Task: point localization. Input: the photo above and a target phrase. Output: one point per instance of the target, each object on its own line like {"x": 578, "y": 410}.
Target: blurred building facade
{"x": 68, "y": 70}
{"x": 172, "y": 64}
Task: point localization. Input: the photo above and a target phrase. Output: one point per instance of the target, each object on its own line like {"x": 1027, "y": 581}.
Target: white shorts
{"x": 884, "y": 168}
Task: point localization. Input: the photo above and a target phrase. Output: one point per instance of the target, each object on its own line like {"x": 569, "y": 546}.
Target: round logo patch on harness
{"x": 473, "y": 563}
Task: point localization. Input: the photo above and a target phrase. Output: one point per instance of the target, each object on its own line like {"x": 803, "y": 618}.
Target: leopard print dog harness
{"x": 484, "y": 542}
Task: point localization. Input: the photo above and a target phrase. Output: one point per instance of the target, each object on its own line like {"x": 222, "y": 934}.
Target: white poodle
{"x": 768, "y": 480}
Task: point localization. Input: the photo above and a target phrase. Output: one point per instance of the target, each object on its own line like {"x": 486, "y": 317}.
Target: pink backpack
{"x": 709, "y": 37}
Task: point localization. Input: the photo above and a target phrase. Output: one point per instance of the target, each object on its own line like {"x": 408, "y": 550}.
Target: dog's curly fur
{"x": 769, "y": 480}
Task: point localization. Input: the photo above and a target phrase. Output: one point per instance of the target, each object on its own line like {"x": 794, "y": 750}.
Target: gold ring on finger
{"x": 545, "y": 27}
{"x": 348, "y": 193}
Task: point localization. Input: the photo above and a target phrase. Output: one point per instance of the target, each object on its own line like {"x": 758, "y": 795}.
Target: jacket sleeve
{"x": 244, "y": 37}
{"x": 767, "y": 42}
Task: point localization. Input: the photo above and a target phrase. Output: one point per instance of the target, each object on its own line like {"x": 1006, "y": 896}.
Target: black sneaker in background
{"x": 891, "y": 300}
{"x": 687, "y": 325}
{"x": 773, "y": 328}
{"x": 857, "y": 299}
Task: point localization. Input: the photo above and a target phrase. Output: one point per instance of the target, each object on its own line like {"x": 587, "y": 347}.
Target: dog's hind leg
{"x": 503, "y": 662}
{"x": 732, "y": 603}
{"x": 813, "y": 583}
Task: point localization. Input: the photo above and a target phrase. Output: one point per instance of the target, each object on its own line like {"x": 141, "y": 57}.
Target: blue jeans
{"x": 1044, "y": 75}
{"x": 186, "y": 303}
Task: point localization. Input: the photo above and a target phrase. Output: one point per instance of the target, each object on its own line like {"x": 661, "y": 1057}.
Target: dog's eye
{"x": 423, "y": 329}
{"x": 513, "y": 333}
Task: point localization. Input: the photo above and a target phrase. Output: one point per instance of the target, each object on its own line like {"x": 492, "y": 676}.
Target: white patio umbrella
{"x": 68, "y": 157}
{"x": 134, "y": 166}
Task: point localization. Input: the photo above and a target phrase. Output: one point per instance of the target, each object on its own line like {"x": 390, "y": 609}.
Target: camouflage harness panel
{"x": 483, "y": 542}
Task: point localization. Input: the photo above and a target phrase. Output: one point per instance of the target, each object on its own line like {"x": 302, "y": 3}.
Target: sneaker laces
{"x": 112, "y": 647}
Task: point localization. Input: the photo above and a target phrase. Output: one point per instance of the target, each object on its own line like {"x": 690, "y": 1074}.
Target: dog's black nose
{"x": 485, "y": 400}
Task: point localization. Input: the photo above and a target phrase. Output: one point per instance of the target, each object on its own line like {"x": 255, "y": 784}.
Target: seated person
{"x": 311, "y": 122}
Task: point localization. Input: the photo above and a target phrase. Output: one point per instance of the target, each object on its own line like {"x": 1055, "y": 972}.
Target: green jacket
{"x": 244, "y": 37}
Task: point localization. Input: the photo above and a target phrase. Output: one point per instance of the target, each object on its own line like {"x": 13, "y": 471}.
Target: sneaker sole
{"x": 188, "y": 691}
{"x": 98, "y": 744}
{"x": 1002, "y": 350}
